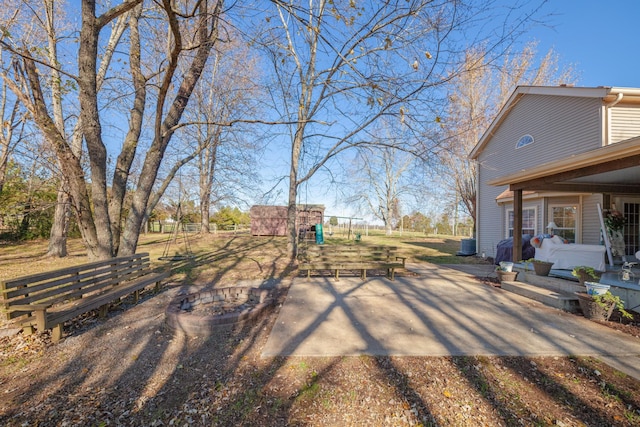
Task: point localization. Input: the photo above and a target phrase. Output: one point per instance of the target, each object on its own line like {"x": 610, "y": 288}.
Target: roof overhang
{"x": 506, "y": 196}
{"x": 612, "y": 169}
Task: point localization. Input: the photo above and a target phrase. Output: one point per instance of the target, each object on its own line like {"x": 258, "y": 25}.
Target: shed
{"x": 272, "y": 220}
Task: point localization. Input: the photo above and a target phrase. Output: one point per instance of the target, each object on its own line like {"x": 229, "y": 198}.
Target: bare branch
{"x": 115, "y": 12}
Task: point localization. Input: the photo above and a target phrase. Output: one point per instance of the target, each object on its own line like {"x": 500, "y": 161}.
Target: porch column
{"x": 517, "y": 225}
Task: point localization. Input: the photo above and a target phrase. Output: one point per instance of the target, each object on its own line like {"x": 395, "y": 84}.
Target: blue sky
{"x": 596, "y": 37}
{"x": 599, "y": 37}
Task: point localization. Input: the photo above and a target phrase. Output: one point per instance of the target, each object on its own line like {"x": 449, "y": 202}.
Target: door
{"x": 631, "y": 231}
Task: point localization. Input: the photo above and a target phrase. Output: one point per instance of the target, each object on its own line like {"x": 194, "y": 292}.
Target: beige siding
{"x": 490, "y": 218}
{"x": 560, "y": 126}
{"x": 625, "y": 123}
{"x": 590, "y": 219}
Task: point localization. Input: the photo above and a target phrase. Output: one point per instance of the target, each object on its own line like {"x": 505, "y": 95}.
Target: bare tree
{"x": 228, "y": 97}
{"x": 378, "y": 178}
{"x": 206, "y": 34}
{"x": 13, "y": 119}
{"x": 13, "y": 114}
{"x": 340, "y": 67}
{"x": 193, "y": 30}
{"x": 53, "y": 12}
{"x": 475, "y": 97}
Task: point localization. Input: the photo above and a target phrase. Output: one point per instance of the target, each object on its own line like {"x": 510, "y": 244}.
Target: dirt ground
{"x": 131, "y": 370}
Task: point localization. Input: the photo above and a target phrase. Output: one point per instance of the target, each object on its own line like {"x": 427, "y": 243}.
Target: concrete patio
{"x": 444, "y": 312}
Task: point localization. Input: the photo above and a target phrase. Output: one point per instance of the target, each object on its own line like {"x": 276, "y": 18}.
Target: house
{"x": 272, "y": 220}
{"x": 555, "y": 154}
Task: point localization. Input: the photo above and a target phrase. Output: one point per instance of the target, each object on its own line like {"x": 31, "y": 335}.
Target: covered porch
{"x": 611, "y": 170}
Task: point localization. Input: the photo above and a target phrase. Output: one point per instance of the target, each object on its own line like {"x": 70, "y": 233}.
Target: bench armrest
{"x": 38, "y": 309}
{"x": 28, "y": 307}
{"x": 403, "y": 258}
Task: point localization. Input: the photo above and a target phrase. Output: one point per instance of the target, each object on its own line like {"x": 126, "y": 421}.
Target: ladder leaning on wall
{"x": 605, "y": 235}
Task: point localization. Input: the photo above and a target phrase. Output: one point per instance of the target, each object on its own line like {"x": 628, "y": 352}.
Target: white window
{"x": 524, "y": 141}
{"x": 565, "y": 218}
{"x": 529, "y": 221}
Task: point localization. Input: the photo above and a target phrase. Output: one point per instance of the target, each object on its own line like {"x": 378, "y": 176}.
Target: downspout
{"x": 619, "y": 97}
{"x": 608, "y": 106}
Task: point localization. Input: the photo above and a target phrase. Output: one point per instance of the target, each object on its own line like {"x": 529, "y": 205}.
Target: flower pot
{"x": 507, "y": 276}
{"x": 583, "y": 276}
{"x": 591, "y": 309}
{"x": 506, "y": 266}
{"x": 596, "y": 288}
{"x": 542, "y": 268}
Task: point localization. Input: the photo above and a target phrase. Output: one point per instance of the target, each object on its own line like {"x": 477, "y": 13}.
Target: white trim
{"x": 604, "y": 125}
{"x": 620, "y": 201}
{"x": 536, "y": 195}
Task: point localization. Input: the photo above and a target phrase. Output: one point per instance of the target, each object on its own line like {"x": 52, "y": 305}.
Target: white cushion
{"x": 557, "y": 240}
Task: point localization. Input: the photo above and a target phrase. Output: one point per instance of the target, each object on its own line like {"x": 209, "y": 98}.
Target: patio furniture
{"x": 566, "y": 256}
{"x": 504, "y": 250}
{"x": 350, "y": 257}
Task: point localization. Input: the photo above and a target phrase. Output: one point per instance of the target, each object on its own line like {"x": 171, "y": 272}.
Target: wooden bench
{"x": 350, "y": 257}
{"x": 47, "y": 300}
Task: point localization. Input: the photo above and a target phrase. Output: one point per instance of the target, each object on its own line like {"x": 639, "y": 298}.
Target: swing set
{"x": 173, "y": 238}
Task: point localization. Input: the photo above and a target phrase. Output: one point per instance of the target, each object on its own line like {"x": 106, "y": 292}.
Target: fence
{"x": 192, "y": 227}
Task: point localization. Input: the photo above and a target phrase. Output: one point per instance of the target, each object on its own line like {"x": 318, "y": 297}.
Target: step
{"x": 561, "y": 300}
{"x": 557, "y": 284}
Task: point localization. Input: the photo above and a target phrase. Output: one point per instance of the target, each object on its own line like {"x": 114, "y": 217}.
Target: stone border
{"x": 179, "y": 319}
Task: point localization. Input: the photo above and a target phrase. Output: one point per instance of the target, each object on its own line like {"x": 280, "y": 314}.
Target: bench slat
{"x": 350, "y": 257}
{"x": 69, "y": 311}
{"x": 47, "y": 300}
{"x": 39, "y": 277}
{"x": 86, "y": 279}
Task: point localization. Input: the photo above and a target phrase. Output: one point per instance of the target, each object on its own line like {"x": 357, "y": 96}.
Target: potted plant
{"x": 505, "y": 274}
{"x": 600, "y": 307}
{"x": 506, "y": 266}
{"x": 542, "y": 268}
{"x": 586, "y": 274}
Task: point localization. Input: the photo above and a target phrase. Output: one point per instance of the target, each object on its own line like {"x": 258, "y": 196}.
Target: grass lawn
{"x": 218, "y": 254}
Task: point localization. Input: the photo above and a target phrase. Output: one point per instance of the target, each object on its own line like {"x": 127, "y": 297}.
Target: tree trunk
{"x": 62, "y": 215}
{"x": 204, "y": 216}
{"x": 206, "y": 169}
{"x": 5, "y": 151}
{"x": 292, "y": 211}
{"x": 208, "y": 159}
{"x": 92, "y": 129}
{"x": 24, "y": 224}
{"x": 164, "y": 128}
{"x": 68, "y": 161}
{"x": 60, "y": 226}
{"x": 58, "y": 234}
{"x": 128, "y": 152}
{"x": 63, "y": 210}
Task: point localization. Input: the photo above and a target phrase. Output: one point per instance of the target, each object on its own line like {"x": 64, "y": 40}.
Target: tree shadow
{"x": 159, "y": 377}
{"x": 486, "y": 376}
{"x": 151, "y": 345}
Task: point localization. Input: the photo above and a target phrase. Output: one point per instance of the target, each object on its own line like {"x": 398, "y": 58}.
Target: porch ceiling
{"x": 613, "y": 169}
